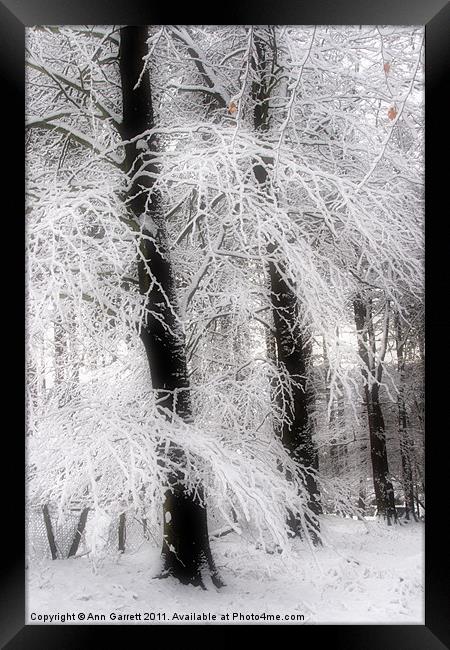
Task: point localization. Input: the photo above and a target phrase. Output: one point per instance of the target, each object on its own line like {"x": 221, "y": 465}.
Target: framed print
{"x": 234, "y": 261}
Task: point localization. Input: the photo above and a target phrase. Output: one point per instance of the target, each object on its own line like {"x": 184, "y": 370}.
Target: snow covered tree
{"x": 293, "y": 347}
{"x": 186, "y": 552}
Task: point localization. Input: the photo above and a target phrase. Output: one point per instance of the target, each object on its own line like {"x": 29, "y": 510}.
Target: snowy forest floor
{"x": 365, "y": 573}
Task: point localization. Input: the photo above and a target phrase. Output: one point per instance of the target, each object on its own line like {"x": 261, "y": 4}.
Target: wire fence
{"x": 48, "y": 534}
{"x": 51, "y": 534}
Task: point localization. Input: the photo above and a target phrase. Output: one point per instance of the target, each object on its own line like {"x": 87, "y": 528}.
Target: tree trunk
{"x": 405, "y": 442}
{"x": 362, "y": 495}
{"x": 32, "y": 401}
{"x": 50, "y": 535}
{"x": 336, "y": 421}
{"x": 78, "y": 533}
{"x": 73, "y": 355}
{"x": 60, "y": 359}
{"x": 122, "y": 532}
{"x": 186, "y": 553}
{"x": 384, "y": 492}
{"x": 292, "y": 351}
{"x": 276, "y": 392}
{"x": 294, "y": 356}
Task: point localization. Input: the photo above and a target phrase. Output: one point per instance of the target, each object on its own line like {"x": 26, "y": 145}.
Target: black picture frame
{"x": 15, "y": 15}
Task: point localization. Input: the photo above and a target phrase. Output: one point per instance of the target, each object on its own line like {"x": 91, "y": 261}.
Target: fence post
{"x": 49, "y": 529}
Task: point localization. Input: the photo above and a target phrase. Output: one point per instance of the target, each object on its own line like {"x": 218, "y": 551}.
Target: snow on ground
{"x": 365, "y": 573}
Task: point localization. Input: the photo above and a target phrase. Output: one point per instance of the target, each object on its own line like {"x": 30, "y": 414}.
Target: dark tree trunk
{"x": 292, "y": 351}
{"x": 50, "y": 535}
{"x": 78, "y": 533}
{"x": 405, "y": 442}
{"x": 122, "y": 532}
{"x": 186, "y": 553}
{"x": 294, "y": 356}
{"x": 363, "y": 465}
{"x": 384, "y": 492}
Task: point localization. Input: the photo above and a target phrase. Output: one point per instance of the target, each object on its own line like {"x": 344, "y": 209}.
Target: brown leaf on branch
{"x": 386, "y": 67}
{"x": 232, "y": 108}
{"x": 392, "y": 113}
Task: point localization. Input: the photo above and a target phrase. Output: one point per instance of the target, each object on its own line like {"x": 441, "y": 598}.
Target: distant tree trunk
{"x": 32, "y": 386}
{"x": 59, "y": 360}
{"x": 144, "y": 527}
{"x": 74, "y": 356}
{"x": 60, "y": 356}
{"x": 336, "y": 420}
{"x": 186, "y": 552}
{"x": 405, "y": 442}
{"x": 79, "y": 532}
{"x": 49, "y": 530}
{"x": 293, "y": 352}
{"x": 122, "y": 532}
{"x": 362, "y": 496}
{"x": 384, "y": 492}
